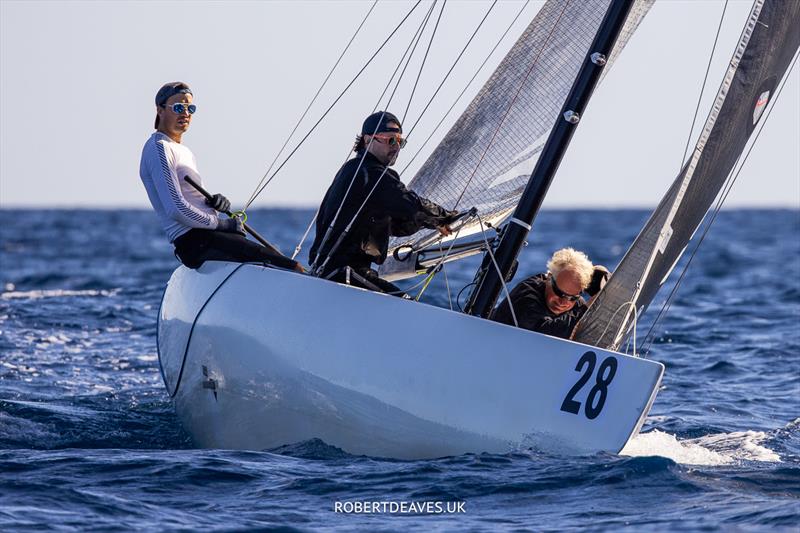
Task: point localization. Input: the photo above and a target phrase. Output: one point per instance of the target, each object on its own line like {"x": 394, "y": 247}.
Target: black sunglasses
{"x": 561, "y": 294}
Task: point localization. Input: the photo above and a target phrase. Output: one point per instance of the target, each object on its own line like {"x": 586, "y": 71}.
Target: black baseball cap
{"x": 167, "y": 91}
{"x": 379, "y": 122}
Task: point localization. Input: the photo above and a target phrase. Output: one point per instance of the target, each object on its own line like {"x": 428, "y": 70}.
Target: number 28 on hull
{"x": 258, "y": 358}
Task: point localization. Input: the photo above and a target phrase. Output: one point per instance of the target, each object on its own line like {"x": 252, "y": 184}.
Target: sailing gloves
{"x": 599, "y": 278}
{"x": 227, "y": 225}
{"x": 219, "y": 202}
{"x": 231, "y": 225}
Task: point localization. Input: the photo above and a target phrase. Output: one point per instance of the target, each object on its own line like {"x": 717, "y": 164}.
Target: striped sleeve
{"x": 165, "y": 179}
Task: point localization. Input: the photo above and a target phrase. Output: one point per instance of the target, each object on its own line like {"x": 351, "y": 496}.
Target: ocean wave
{"x": 57, "y": 293}
{"x": 91, "y": 416}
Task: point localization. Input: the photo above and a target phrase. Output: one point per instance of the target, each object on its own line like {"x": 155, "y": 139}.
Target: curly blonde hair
{"x": 571, "y": 259}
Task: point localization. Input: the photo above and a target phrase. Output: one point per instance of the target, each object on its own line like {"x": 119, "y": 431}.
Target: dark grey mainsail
{"x": 486, "y": 158}
{"x": 768, "y": 43}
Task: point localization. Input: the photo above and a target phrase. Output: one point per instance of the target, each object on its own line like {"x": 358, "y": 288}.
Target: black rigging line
{"x": 511, "y": 105}
{"x": 314, "y": 99}
{"x": 412, "y": 47}
{"x": 262, "y": 187}
{"x": 424, "y": 58}
{"x": 458, "y": 296}
{"x": 694, "y": 119}
{"x": 414, "y": 42}
{"x": 323, "y": 261}
{"x": 452, "y": 67}
{"x": 377, "y": 182}
{"x": 703, "y": 88}
{"x": 464, "y": 90}
{"x": 726, "y": 190}
{"x": 452, "y": 106}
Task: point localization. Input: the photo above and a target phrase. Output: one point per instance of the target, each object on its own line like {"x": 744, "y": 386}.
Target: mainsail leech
{"x": 765, "y": 50}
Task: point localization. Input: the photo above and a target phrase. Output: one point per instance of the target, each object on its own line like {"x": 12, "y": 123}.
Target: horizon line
{"x": 298, "y": 207}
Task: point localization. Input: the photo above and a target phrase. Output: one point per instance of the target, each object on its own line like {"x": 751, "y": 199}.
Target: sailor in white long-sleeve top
{"x": 192, "y": 223}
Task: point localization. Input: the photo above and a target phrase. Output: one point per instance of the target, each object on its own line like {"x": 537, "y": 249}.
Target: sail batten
{"x": 765, "y": 50}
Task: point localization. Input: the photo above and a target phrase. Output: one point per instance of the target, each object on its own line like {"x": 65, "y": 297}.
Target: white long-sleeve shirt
{"x": 179, "y": 206}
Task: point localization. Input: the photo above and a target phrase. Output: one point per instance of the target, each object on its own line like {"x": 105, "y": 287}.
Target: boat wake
{"x": 710, "y": 450}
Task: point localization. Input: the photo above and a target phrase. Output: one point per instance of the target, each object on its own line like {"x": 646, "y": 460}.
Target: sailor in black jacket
{"x": 372, "y": 197}
{"x": 551, "y": 302}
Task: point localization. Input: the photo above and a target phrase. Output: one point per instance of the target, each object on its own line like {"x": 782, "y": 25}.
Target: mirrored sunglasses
{"x": 561, "y": 294}
{"x": 181, "y": 108}
{"x": 391, "y": 140}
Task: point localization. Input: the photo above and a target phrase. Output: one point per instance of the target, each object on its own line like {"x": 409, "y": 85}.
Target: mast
{"x": 487, "y": 281}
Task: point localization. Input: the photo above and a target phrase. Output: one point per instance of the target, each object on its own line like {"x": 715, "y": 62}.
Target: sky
{"x": 77, "y": 82}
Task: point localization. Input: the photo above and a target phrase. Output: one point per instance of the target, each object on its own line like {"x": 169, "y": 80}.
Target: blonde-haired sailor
{"x": 551, "y": 302}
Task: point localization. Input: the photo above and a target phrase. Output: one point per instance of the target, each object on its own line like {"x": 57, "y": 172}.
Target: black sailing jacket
{"x": 392, "y": 210}
{"x": 530, "y": 307}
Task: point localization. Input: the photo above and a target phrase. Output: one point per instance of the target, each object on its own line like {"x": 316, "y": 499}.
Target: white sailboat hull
{"x": 256, "y": 358}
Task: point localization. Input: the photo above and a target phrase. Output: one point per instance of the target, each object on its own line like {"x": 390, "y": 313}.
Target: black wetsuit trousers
{"x": 199, "y": 245}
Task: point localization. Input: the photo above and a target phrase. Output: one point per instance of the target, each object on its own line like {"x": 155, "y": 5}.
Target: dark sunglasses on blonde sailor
{"x": 181, "y": 108}
{"x": 561, "y": 294}
{"x": 391, "y": 140}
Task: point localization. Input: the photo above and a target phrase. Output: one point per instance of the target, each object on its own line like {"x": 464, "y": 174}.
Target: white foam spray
{"x": 711, "y": 450}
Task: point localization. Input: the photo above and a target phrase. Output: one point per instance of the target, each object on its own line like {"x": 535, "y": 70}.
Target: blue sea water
{"x": 89, "y": 440}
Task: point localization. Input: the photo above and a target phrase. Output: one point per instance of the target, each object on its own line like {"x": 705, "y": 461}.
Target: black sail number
{"x": 596, "y": 398}
{"x": 600, "y": 388}
{"x": 569, "y": 405}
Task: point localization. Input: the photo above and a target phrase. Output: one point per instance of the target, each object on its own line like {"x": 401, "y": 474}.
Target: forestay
{"x": 768, "y": 43}
{"x": 487, "y": 157}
